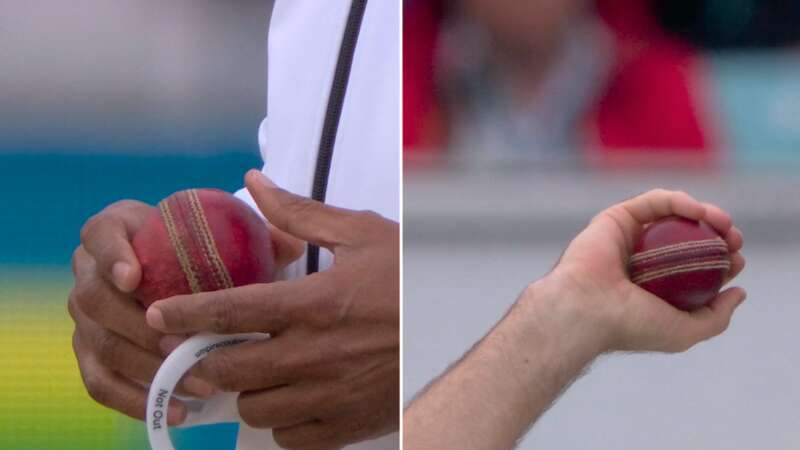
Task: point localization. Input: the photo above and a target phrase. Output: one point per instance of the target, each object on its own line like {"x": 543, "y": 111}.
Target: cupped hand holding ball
{"x": 593, "y": 276}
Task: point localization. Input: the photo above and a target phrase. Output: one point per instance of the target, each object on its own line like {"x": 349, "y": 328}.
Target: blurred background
{"x": 101, "y": 101}
{"x": 524, "y": 119}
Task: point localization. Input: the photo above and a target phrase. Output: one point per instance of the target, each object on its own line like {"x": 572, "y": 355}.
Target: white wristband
{"x": 170, "y": 373}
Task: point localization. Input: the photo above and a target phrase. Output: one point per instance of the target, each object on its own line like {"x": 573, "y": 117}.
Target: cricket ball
{"x": 201, "y": 240}
{"x": 682, "y": 261}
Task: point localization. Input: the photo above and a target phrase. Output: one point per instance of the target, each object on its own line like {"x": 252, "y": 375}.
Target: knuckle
{"x": 598, "y": 216}
{"x": 224, "y": 315}
{"x": 359, "y": 424}
{"x": 82, "y": 295}
{"x": 94, "y": 224}
{"x": 250, "y": 412}
{"x": 173, "y": 314}
{"x": 106, "y": 346}
{"x": 657, "y": 191}
{"x": 612, "y": 213}
{"x": 327, "y": 438}
{"x": 319, "y": 303}
{"x": 282, "y": 437}
{"x": 369, "y": 216}
{"x": 148, "y": 338}
{"x": 322, "y": 315}
{"x": 251, "y": 418}
{"x": 85, "y": 297}
{"x": 287, "y": 367}
{"x": 299, "y": 205}
{"x": 75, "y": 343}
{"x": 77, "y": 255}
{"x": 72, "y": 307}
{"x": 722, "y": 325}
{"x": 219, "y": 369}
{"x": 284, "y": 364}
{"x": 290, "y": 440}
{"x": 366, "y": 224}
{"x": 96, "y": 388}
{"x": 125, "y": 205}
{"x": 683, "y": 344}
{"x": 299, "y": 209}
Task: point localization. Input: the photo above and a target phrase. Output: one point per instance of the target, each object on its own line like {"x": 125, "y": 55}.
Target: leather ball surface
{"x": 201, "y": 240}
{"x": 681, "y": 261}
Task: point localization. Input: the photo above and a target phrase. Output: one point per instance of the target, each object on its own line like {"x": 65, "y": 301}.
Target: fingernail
{"x": 155, "y": 318}
{"x": 259, "y": 177}
{"x": 120, "y": 272}
{"x": 198, "y": 387}
{"x": 169, "y": 343}
{"x": 176, "y": 415}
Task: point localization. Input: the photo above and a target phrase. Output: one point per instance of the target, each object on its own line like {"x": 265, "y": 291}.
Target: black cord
{"x": 334, "y": 113}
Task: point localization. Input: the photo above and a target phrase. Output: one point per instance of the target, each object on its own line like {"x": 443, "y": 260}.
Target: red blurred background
{"x": 602, "y": 81}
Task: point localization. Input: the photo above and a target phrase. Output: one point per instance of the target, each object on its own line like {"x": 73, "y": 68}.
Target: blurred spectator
{"x": 584, "y": 80}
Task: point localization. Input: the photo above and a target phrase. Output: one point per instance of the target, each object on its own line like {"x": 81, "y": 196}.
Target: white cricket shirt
{"x": 303, "y": 50}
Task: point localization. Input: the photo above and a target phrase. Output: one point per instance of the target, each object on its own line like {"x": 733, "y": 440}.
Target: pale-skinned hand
{"x": 593, "y": 271}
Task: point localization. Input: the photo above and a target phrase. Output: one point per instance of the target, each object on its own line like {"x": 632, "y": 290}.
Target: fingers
{"x": 117, "y": 353}
{"x": 286, "y": 406}
{"x": 632, "y": 215}
{"x": 107, "y": 236}
{"x": 714, "y": 319}
{"x": 306, "y": 416}
{"x": 301, "y": 217}
{"x": 102, "y": 303}
{"x": 717, "y": 218}
{"x": 721, "y": 221}
{"x": 737, "y": 265}
{"x": 267, "y": 364}
{"x": 734, "y": 239}
{"x": 126, "y": 359}
{"x": 315, "y": 435}
{"x": 267, "y": 308}
{"x": 660, "y": 203}
{"x": 250, "y": 366}
{"x": 113, "y": 391}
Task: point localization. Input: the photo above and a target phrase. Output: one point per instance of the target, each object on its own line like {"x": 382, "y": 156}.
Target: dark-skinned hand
{"x": 329, "y": 375}
{"x": 117, "y": 352}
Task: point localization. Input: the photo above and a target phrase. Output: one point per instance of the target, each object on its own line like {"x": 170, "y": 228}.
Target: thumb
{"x": 715, "y": 318}
{"x": 287, "y": 247}
{"x": 301, "y": 217}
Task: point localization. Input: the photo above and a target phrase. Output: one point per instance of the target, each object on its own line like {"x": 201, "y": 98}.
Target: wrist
{"x": 556, "y": 305}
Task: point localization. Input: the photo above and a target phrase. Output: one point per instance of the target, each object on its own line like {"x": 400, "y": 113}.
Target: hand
{"x": 594, "y": 270}
{"x": 329, "y": 376}
{"x": 117, "y": 352}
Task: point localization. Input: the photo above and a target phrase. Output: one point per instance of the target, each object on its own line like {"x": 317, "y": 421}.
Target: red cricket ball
{"x": 682, "y": 261}
{"x": 201, "y": 240}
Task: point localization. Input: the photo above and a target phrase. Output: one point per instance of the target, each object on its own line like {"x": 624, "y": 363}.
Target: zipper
{"x": 333, "y": 114}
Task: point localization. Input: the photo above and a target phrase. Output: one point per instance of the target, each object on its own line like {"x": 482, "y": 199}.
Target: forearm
{"x": 509, "y": 379}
